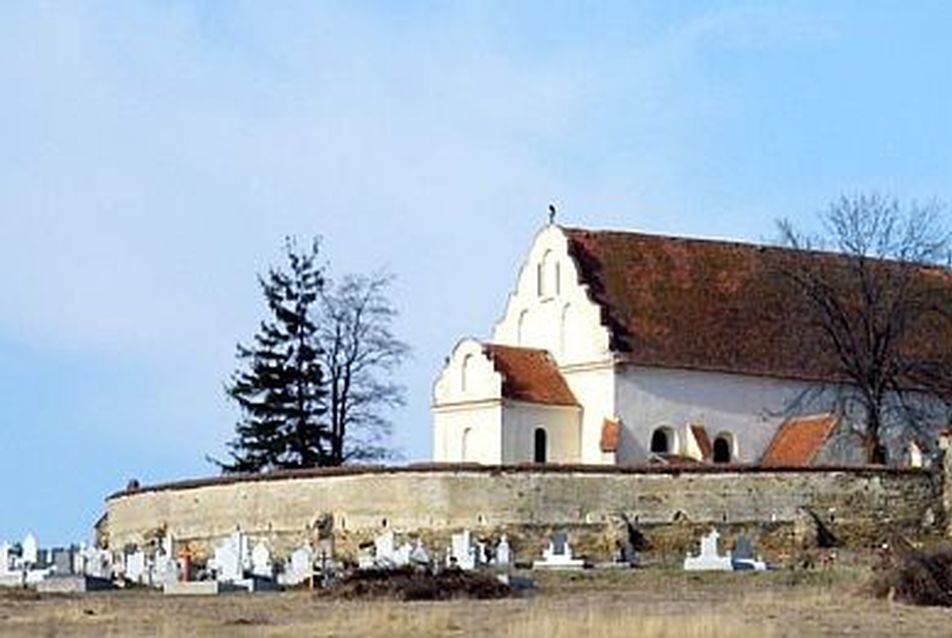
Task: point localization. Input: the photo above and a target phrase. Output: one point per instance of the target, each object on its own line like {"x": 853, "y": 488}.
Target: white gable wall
{"x": 549, "y": 309}
{"x": 467, "y": 408}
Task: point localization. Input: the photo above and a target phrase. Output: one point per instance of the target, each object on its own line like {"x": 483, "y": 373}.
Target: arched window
{"x": 465, "y": 380}
{"x": 540, "y": 454}
{"x": 558, "y": 278}
{"x": 464, "y": 450}
{"x": 723, "y": 445}
{"x": 541, "y": 273}
{"x": 663, "y": 441}
{"x": 563, "y": 329}
{"x": 521, "y": 328}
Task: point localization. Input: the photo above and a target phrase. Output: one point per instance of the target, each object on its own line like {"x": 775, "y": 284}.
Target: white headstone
{"x": 261, "y": 561}
{"x": 232, "y": 558}
{"x": 135, "y": 566}
{"x": 97, "y": 563}
{"x": 709, "y": 559}
{"x": 462, "y": 552}
{"x": 384, "y": 545}
{"x": 503, "y": 552}
{"x": 301, "y": 565}
{"x": 164, "y": 570}
{"x": 4, "y": 558}
{"x": 558, "y": 555}
{"x": 30, "y": 550}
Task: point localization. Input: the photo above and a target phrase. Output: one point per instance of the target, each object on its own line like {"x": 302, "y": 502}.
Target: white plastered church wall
{"x": 750, "y": 409}
{"x": 521, "y": 420}
{"x": 549, "y": 309}
{"x": 467, "y": 408}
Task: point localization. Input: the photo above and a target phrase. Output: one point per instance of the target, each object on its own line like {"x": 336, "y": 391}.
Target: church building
{"x": 625, "y": 348}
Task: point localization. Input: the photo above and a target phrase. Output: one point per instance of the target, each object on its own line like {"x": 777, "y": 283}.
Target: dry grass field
{"x": 646, "y": 603}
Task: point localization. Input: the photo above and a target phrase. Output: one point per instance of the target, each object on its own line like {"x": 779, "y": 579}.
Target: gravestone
{"x": 62, "y": 560}
{"x": 558, "y": 555}
{"x": 503, "y": 551}
{"x": 4, "y": 558}
{"x": 461, "y": 552}
{"x": 164, "y": 570}
{"x": 97, "y": 563}
{"x": 628, "y": 555}
{"x": 300, "y": 567}
{"x": 480, "y": 553}
{"x": 384, "y": 550}
{"x": 401, "y": 557}
{"x": 742, "y": 559}
{"x": 261, "y": 561}
{"x": 419, "y": 555}
{"x": 30, "y": 555}
{"x": 232, "y": 558}
{"x": 742, "y": 548}
{"x": 709, "y": 559}
{"x": 135, "y": 566}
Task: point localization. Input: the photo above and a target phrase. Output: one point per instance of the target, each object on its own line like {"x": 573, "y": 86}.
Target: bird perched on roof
{"x": 551, "y": 213}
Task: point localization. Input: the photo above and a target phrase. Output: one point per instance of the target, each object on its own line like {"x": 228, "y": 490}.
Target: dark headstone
{"x": 742, "y": 548}
{"x": 62, "y": 560}
{"x": 559, "y": 541}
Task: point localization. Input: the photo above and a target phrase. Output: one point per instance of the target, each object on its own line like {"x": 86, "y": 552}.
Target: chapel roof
{"x": 716, "y": 305}
{"x": 798, "y": 441}
{"x": 530, "y": 375}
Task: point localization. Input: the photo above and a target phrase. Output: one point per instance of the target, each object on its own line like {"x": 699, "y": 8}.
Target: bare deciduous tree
{"x": 881, "y": 305}
{"x": 360, "y": 353}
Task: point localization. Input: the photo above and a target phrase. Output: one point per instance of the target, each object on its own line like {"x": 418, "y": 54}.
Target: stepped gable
{"x": 721, "y": 306}
{"x": 529, "y": 375}
{"x": 798, "y": 441}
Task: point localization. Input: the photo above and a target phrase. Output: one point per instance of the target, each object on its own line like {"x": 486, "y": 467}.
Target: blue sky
{"x": 154, "y": 154}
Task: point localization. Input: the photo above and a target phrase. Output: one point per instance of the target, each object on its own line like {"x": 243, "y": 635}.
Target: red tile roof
{"x": 529, "y": 375}
{"x": 717, "y": 305}
{"x": 798, "y": 441}
{"x": 611, "y": 435}
{"x": 703, "y": 441}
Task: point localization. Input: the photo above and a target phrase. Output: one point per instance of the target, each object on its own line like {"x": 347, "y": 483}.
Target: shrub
{"x": 410, "y": 584}
{"x": 916, "y": 576}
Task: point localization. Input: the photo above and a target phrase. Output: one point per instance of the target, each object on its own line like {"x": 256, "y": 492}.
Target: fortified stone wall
{"x": 661, "y": 510}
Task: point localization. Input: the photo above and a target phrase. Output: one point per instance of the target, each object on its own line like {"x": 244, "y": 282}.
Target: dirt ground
{"x": 648, "y": 602}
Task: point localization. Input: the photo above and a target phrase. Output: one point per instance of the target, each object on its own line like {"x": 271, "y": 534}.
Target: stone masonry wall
{"x": 662, "y": 511}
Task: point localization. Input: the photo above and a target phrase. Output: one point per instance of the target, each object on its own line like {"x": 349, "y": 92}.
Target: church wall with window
{"x": 549, "y": 309}
{"x": 520, "y": 421}
{"x": 744, "y": 411}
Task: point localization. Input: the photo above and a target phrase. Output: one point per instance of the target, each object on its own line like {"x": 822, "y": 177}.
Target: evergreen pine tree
{"x": 280, "y": 389}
